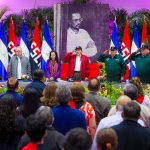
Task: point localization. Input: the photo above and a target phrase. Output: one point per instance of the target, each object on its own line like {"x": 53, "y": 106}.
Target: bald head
{"x": 122, "y": 101}
{"x": 94, "y": 85}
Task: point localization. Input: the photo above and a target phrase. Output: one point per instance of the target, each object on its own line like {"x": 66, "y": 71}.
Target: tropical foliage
{"x": 43, "y": 13}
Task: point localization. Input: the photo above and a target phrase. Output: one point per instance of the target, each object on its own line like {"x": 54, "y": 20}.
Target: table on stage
{"x": 59, "y": 82}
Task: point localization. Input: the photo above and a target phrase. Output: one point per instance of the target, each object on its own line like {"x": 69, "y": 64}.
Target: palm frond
{"x": 3, "y": 10}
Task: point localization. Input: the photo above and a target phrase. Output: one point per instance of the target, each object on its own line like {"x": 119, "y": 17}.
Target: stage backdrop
{"x": 93, "y": 26}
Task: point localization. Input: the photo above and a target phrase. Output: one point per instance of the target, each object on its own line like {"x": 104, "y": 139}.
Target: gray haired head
{"x": 46, "y": 113}
{"x": 131, "y": 91}
{"x": 63, "y": 94}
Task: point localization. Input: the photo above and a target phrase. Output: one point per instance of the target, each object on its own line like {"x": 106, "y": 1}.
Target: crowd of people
{"x": 64, "y": 117}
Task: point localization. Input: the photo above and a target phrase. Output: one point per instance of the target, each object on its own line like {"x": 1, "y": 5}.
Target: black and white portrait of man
{"x": 77, "y": 36}
{"x": 81, "y": 25}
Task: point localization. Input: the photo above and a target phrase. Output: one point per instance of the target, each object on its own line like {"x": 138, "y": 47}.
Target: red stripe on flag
{"x": 11, "y": 39}
{"x": 36, "y": 45}
{"x": 144, "y": 33}
{"x": 126, "y": 48}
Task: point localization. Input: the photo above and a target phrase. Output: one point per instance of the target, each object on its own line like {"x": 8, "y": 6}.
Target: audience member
{"x": 66, "y": 118}
{"x": 53, "y": 140}
{"x": 107, "y": 139}
{"x": 12, "y": 85}
{"x": 77, "y": 90}
{"x": 77, "y": 139}
{"x": 142, "y": 98}
{"x": 49, "y": 95}
{"x": 132, "y": 135}
{"x": 115, "y": 64}
{"x": 38, "y": 82}
{"x": 115, "y": 119}
{"x": 19, "y": 65}
{"x": 31, "y": 102}
{"x": 78, "y": 65}
{"x": 100, "y": 104}
{"x": 10, "y": 129}
{"x": 131, "y": 91}
{"x": 36, "y": 130}
{"x": 53, "y": 67}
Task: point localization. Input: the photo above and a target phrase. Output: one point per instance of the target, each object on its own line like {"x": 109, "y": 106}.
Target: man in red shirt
{"x": 78, "y": 65}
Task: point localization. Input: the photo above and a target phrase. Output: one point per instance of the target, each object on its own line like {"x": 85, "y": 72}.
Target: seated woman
{"x": 77, "y": 91}
{"x": 53, "y": 67}
{"x": 49, "y": 95}
{"x": 142, "y": 98}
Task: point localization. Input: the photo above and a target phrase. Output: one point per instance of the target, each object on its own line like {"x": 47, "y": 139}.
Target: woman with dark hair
{"x": 31, "y": 102}
{"x": 49, "y": 95}
{"x": 142, "y": 98}
{"x": 53, "y": 66}
{"x": 77, "y": 90}
{"x": 10, "y": 132}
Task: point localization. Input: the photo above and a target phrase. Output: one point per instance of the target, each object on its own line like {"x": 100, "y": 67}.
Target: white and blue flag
{"x": 134, "y": 47}
{"x": 46, "y": 46}
{"x": 24, "y": 42}
{"x": 114, "y": 38}
{"x": 3, "y": 53}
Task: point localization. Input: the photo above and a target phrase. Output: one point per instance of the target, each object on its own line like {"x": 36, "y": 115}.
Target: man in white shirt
{"x": 78, "y": 65}
{"x": 77, "y": 36}
{"x": 19, "y": 66}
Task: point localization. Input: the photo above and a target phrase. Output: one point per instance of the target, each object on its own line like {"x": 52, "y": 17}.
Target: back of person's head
{"x": 7, "y": 117}
{"x": 131, "y": 111}
{"x": 137, "y": 82}
{"x": 131, "y": 91}
{"x": 77, "y": 139}
{"x": 107, "y": 139}
{"x": 122, "y": 101}
{"x": 94, "y": 85}
{"x": 38, "y": 75}
{"x": 35, "y": 128}
{"x": 46, "y": 113}
{"x": 12, "y": 83}
{"x": 63, "y": 94}
{"x": 77, "y": 90}
{"x": 31, "y": 102}
{"x": 49, "y": 94}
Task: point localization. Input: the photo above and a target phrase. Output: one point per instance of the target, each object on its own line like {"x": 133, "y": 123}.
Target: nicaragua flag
{"x": 134, "y": 47}
{"x": 24, "y": 42}
{"x": 114, "y": 38}
{"x": 3, "y": 53}
{"x": 46, "y": 46}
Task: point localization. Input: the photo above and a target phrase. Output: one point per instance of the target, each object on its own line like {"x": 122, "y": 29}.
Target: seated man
{"x": 131, "y": 135}
{"x": 78, "y": 65}
{"x": 12, "y": 85}
{"x": 38, "y": 82}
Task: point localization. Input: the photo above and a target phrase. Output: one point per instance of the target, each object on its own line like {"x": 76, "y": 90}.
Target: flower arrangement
{"x": 24, "y": 78}
{"x": 20, "y": 90}
{"x": 102, "y": 72}
{"x": 111, "y": 91}
{"x": 147, "y": 90}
